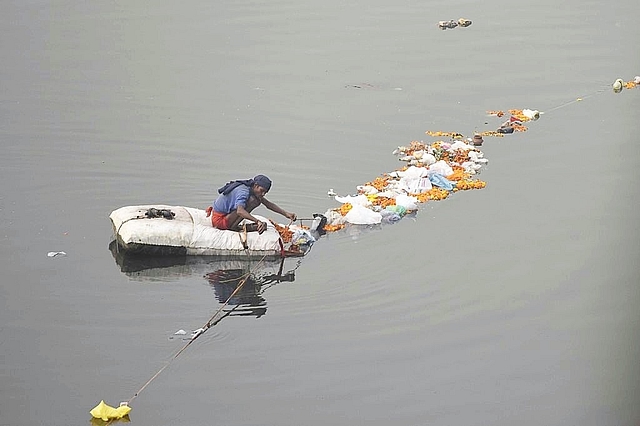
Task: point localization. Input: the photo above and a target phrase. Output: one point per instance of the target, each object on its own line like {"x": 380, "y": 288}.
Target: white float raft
{"x": 189, "y": 233}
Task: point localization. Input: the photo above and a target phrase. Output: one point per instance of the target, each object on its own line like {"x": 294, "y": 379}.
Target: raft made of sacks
{"x": 178, "y": 230}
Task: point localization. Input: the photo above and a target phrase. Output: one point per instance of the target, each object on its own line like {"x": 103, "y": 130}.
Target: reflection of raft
{"x": 189, "y": 232}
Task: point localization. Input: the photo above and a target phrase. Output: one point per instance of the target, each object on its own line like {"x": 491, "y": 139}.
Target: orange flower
{"x": 439, "y": 134}
{"x": 285, "y": 233}
{"x": 344, "y": 209}
{"x": 437, "y": 194}
{"x": 458, "y": 174}
{"x": 333, "y": 228}
{"x": 379, "y": 183}
{"x": 383, "y": 201}
{"x": 470, "y": 184}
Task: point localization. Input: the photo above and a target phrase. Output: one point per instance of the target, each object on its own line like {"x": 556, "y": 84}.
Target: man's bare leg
{"x": 233, "y": 219}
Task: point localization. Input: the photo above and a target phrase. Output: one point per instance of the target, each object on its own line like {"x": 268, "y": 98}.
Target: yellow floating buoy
{"x": 107, "y": 412}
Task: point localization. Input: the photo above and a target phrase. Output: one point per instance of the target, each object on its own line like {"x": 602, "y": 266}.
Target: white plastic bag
{"x": 415, "y": 185}
{"x": 360, "y": 215}
{"x": 413, "y": 172}
{"x": 360, "y": 200}
{"x": 407, "y": 201}
{"x": 442, "y": 168}
{"x": 428, "y": 159}
{"x": 461, "y": 145}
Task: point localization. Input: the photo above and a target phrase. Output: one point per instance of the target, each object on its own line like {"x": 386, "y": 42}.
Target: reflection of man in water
{"x": 247, "y": 301}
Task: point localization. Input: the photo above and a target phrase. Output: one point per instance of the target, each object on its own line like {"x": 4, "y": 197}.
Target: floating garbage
{"x": 302, "y": 237}
{"x": 462, "y": 22}
{"x": 617, "y": 85}
{"x": 447, "y": 24}
{"x": 620, "y": 84}
{"x": 515, "y": 122}
{"x": 433, "y": 172}
{"x": 56, "y": 253}
{"x": 531, "y": 114}
{"x": 106, "y": 412}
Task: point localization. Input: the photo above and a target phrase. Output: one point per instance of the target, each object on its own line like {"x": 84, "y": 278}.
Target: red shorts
{"x": 218, "y": 220}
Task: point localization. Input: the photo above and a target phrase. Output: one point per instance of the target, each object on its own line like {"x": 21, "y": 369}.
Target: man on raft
{"x": 238, "y": 199}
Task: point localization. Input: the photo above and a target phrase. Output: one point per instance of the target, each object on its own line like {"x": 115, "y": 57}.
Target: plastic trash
{"x": 441, "y": 167}
{"x": 334, "y": 218}
{"x": 360, "y": 200}
{"x": 366, "y": 189}
{"x": 407, "y": 201}
{"x": 319, "y": 221}
{"x": 56, "y": 253}
{"x": 462, "y": 22}
{"x": 413, "y": 172}
{"x": 361, "y": 215}
{"x": 531, "y": 114}
{"x": 416, "y": 185}
{"x": 389, "y": 216}
{"x": 396, "y": 209}
{"x": 302, "y": 237}
{"x": 180, "y": 332}
{"x": 462, "y": 145}
{"x": 428, "y": 159}
{"x": 106, "y": 412}
{"x": 447, "y": 24}
{"x": 505, "y": 129}
{"x": 618, "y": 85}
{"x": 440, "y": 181}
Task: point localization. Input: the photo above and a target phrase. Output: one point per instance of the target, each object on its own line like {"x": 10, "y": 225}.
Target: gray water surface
{"x": 515, "y": 304}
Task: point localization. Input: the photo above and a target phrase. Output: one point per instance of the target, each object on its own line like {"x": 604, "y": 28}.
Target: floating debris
{"x": 361, "y": 86}
{"x": 620, "y": 84}
{"x": 462, "y": 22}
{"x": 56, "y": 254}
{"x": 617, "y": 85}
{"x": 447, "y": 24}
{"x": 433, "y": 171}
{"x": 477, "y": 140}
{"x": 107, "y": 413}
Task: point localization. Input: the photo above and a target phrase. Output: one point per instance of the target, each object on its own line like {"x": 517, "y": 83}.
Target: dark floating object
{"x": 447, "y": 24}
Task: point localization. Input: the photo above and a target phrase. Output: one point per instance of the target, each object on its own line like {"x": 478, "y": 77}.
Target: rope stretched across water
{"x": 198, "y": 333}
